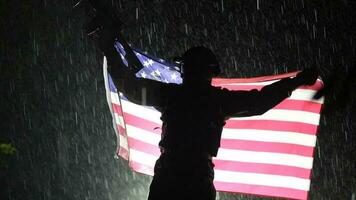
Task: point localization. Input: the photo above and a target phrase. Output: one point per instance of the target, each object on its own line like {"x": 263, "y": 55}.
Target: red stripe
{"x": 121, "y": 130}
{"x": 273, "y": 125}
{"x": 260, "y": 168}
{"x": 142, "y": 123}
{"x": 317, "y": 86}
{"x": 144, "y": 147}
{"x": 261, "y": 190}
{"x": 301, "y": 105}
{"x": 123, "y": 153}
{"x": 117, "y": 109}
{"x": 254, "y": 79}
{"x": 273, "y": 147}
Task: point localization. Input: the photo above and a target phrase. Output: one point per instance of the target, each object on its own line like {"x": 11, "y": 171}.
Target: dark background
{"x": 53, "y": 106}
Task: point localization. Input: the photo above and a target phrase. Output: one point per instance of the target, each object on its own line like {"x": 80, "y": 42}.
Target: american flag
{"x": 266, "y": 155}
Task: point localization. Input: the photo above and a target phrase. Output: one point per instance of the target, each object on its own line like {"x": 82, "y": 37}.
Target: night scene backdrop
{"x": 56, "y": 136}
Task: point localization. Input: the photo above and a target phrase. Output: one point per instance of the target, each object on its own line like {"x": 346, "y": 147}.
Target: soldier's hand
{"x": 103, "y": 31}
{"x": 307, "y": 76}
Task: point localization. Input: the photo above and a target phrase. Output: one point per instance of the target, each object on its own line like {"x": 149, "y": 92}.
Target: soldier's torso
{"x": 192, "y": 121}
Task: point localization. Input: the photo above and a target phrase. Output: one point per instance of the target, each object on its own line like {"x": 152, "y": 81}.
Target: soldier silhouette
{"x": 193, "y": 114}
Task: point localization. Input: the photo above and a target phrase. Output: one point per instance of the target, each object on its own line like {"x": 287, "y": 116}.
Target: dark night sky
{"x": 53, "y": 106}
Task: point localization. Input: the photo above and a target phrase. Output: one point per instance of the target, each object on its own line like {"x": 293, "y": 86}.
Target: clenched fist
{"x": 307, "y": 76}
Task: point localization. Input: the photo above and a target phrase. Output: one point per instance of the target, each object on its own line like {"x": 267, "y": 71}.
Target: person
{"x": 193, "y": 115}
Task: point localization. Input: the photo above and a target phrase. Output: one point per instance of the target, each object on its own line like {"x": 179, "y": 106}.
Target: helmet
{"x": 198, "y": 60}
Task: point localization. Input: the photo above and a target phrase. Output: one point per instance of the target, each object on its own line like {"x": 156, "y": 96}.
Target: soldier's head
{"x": 200, "y": 65}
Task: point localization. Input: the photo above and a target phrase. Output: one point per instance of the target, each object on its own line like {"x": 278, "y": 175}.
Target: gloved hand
{"x": 307, "y": 76}
{"x": 103, "y": 30}
{"x": 104, "y": 26}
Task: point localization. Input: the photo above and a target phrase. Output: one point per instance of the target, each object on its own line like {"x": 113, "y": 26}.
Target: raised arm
{"x": 138, "y": 90}
{"x": 254, "y": 102}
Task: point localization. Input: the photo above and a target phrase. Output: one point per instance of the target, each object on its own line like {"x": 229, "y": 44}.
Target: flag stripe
{"x": 144, "y": 147}
{"x": 250, "y": 86}
{"x": 290, "y": 104}
{"x": 285, "y": 115}
{"x": 272, "y": 125}
{"x": 261, "y": 190}
{"x": 123, "y": 152}
{"x": 142, "y": 168}
{"x": 262, "y": 179}
{"x": 266, "y": 158}
{"x": 261, "y": 168}
{"x": 270, "y": 136}
{"x": 266, "y": 147}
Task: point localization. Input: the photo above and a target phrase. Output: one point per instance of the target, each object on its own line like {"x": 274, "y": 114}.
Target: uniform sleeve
{"x": 254, "y": 102}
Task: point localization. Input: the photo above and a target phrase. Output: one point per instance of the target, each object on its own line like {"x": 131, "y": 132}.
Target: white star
{"x": 158, "y": 72}
{"x": 153, "y": 73}
{"x": 150, "y": 62}
{"x": 146, "y": 63}
{"x": 143, "y": 75}
{"x": 174, "y": 76}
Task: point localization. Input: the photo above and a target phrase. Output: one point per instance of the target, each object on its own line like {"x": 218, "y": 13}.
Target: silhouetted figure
{"x": 193, "y": 116}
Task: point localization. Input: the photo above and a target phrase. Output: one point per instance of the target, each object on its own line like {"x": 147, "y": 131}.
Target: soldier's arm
{"x": 138, "y": 90}
{"x": 254, "y": 102}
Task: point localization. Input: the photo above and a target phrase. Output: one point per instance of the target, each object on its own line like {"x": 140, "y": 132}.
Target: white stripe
{"x": 123, "y": 142}
{"x": 143, "y": 135}
{"x": 142, "y": 157}
{"x": 305, "y": 95}
{"x": 115, "y": 98}
{"x": 285, "y": 115}
{"x": 143, "y": 112}
{"x": 119, "y": 120}
{"x": 266, "y": 158}
{"x": 270, "y": 136}
{"x": 262, "y": 179}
